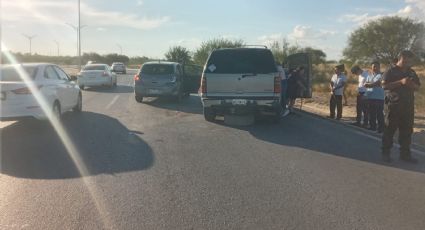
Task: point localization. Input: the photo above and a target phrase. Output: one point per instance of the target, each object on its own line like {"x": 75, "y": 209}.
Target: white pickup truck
{"x": 241, "y": 81}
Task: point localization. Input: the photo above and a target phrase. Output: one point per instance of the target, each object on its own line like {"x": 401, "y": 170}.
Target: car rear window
{"x": 95, "y": 67}
{"x": 9, "y": 73}
{"x": 157, "y": 69}
{"x": 258, "y": 61}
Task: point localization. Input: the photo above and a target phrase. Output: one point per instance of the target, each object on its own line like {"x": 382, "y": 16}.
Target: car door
{"x": 302, "y": 59}
{"x": 112, "y": 74}
{"x": 192, "y": 78}
{"x": 69, "y": 88}
{"x": 56, "y": 87}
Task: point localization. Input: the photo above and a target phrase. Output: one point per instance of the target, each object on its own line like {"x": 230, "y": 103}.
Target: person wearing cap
{"x": 375, "y": 95}
{"x": 399, "y": 83}
{"x": 361, "y": 107}
{"x": 337, "y": 85}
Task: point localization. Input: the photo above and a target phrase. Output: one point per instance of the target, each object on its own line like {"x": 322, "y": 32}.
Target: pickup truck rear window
{"x": 233, "y": 61}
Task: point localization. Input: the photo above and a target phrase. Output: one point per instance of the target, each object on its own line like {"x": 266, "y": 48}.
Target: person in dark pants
{"x": 295, "y": 86}
{"x": 399, "y": 83}
{"x": 375, "y": 94}
{"x": 337, "y": 85}
{"x": 361, "y": 106}
{"x": 284, "y": 85}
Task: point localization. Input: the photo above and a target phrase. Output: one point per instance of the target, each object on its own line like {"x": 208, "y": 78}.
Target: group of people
{"x": 385, "y": 101}
{"x": 292, "y": 86}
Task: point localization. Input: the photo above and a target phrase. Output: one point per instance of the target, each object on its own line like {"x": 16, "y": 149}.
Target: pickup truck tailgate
{"x": 240, "y": 85}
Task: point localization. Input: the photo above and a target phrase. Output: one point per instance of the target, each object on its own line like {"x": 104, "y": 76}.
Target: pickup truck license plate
{"x": 239, "y": 102}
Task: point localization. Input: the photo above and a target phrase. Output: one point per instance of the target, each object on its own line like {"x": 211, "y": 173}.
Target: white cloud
{"x": 188, "y": 43}
{"x": 269, "y": 39}
{"x": 414, "y": 9}
{"x": 307, "y": 33}
{"x": 101, "y": 29}
{"x": 140, "y": 2}
{"x": 57, "y": 12}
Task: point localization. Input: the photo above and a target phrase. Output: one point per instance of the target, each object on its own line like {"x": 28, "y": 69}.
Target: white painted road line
{"x": 113, "y": 101}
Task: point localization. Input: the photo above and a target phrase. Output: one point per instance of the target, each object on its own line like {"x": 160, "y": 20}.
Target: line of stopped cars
{"x": 233, "y": 81}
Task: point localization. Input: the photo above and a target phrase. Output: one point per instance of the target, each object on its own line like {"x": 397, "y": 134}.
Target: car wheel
{"x": 138, "y": 98}
{"x": 82, "y": 87}
{"x": 79, "y": 106}
{"x": 56, "y": 111}
{"x": 209, "y": 114}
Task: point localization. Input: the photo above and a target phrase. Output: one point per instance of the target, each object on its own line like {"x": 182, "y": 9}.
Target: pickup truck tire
{"x": 138, "y": 98}
{"x": 209, "y": 114}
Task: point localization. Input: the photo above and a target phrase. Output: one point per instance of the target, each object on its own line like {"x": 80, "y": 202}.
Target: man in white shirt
{"x": 337, "y": 85}
{"x": 362, "y": 106}
{"x": 375, "y": 96}
{"x": 284, "y": 86}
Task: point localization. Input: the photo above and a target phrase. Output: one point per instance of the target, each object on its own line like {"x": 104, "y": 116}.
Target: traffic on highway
{"x": 199, "y": 121}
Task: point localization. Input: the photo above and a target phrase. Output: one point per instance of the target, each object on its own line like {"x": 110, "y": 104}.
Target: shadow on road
{"x": 191, "y": 104}
{"x": 324, "y": 137}
{"x": 105, "y": 89}
{"x": 32, "y": 149}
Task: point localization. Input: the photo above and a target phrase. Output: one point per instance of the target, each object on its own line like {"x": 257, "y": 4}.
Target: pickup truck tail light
{"x": 277, "y": 85}
{"x": 203, "y": 85}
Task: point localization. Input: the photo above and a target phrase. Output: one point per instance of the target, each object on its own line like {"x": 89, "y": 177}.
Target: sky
{"x": 150, "y": 27}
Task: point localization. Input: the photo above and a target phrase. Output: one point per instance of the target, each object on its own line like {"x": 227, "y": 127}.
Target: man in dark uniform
{"x": 399, "y": 82}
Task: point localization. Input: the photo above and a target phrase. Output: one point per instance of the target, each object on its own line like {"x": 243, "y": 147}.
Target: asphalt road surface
{"x": 159, "y": 165}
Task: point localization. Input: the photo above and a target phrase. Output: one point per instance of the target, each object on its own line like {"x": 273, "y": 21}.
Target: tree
{"x": 317, "y": 56}
{"x": 178, "y": 54}
{"x": 384, "y": 38}
{"x": 202, "y": 53}
{"x": 110, "y": 58}
{"x": 282, "y": 51}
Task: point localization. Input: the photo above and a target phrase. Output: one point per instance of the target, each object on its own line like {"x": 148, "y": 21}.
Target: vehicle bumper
{"x": 156, "y": 92}
{"x": 17, "y": 112}
{"x": 94, "y": 82}
{"x": 257, "y": 105}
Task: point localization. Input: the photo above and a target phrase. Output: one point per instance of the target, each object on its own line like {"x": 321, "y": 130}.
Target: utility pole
{"x": 78, "y": 30}
{"x": 119, "y": 46}
{"x": 57, "y": 44}
{"x": 30, "y": 39}
{"x": 79, "y": 36}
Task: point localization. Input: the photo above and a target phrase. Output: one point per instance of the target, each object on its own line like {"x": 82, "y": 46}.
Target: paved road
{"x": 159, "y": 165}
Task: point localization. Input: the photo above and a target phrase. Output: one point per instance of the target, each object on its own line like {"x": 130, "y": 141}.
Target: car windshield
{"x": 95, "y": 67}
{"x": 11, "y": 74}
{"x": 157, "y": 69}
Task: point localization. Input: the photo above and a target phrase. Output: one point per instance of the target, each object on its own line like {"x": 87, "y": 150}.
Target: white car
{"x": 57, "y": 90}
{"x": 96, "y": 75}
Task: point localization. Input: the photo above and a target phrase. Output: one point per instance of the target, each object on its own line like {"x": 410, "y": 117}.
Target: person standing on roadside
{"x": 361, "y": 107}
{"x": 375, "y": 95}
{"x": 284, "y": 85}
{"x": 337, "y": 85}
{"x": 399, "y": 83}
{"x": 295, "y": 86}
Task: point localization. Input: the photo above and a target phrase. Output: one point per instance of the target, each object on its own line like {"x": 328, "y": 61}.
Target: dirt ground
{"x": 319, "y": 105}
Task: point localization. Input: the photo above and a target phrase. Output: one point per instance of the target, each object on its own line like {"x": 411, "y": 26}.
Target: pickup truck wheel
{"x": 138, "y": 98}
{"x": 209, "y": 114}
